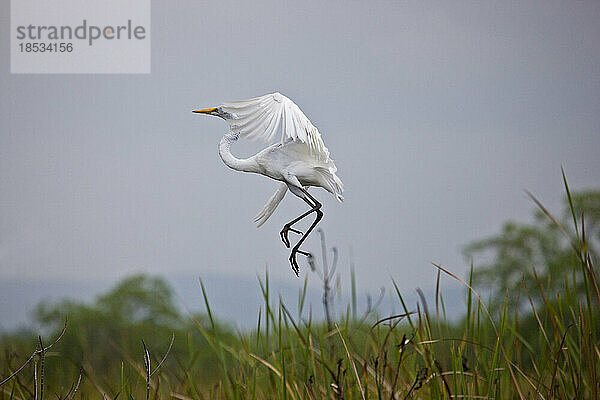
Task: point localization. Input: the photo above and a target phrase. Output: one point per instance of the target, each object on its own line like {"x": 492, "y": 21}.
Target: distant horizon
{"x": 235, "y": 310}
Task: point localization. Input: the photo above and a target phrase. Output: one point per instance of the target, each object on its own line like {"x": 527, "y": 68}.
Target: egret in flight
{"x": 299, "y": 160}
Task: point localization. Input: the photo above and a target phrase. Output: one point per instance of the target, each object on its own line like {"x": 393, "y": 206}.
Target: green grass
{"x": 547, "y": 350}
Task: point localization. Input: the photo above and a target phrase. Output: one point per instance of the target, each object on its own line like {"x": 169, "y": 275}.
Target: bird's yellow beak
{"x": 205, "y": 110}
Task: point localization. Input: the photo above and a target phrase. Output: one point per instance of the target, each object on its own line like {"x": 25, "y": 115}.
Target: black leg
{"x": 296, "y": 249}
{"x": 288, "y": 227}
{"x": 315, "y": 205}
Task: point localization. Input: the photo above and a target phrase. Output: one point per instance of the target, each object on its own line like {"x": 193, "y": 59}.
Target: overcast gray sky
{"x": 438, "y": 116}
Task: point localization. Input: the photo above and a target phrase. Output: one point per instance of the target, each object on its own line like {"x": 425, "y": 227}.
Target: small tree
{"x": 538, "y": 253}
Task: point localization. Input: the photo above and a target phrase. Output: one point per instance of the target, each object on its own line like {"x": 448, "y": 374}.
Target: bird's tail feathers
{"x": 271, "y": 205}
{"x": 332, "y": 183}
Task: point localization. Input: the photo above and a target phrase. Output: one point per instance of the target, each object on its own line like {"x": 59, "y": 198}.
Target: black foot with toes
{"x": 284, "y": 234}
{"x": 294, "y": 262}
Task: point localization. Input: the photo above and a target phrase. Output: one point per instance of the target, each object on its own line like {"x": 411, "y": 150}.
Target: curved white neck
{"x": 244, "y": 164}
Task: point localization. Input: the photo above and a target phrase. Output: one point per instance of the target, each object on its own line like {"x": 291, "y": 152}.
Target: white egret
{"x": 299, "y": 160}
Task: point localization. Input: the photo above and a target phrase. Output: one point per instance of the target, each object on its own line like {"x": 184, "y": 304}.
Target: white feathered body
{"x": 300, "y": 159}
{"x": 279, "y": 161}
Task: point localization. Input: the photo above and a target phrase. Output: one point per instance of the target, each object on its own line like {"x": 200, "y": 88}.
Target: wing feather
{"x": 271, "y": 205}
{"x": 272, "y": 127}
{"x": 289, "y": 126}
{"x": 264, "y": 117}
{"x": 256, "y": 124}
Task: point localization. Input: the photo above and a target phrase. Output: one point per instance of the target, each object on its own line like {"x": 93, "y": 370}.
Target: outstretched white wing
{"x": 264, "y": 117}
